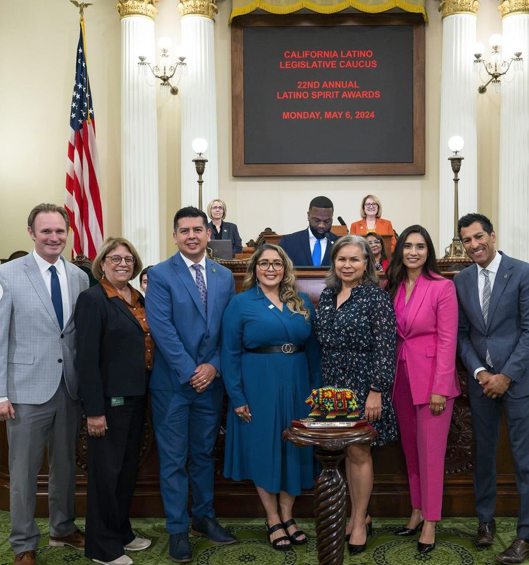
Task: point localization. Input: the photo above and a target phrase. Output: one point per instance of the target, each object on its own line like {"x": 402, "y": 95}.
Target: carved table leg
{"x": 329, "y": 508}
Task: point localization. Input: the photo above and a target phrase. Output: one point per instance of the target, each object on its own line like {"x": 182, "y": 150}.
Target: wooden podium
{"x": 390, "y": 494}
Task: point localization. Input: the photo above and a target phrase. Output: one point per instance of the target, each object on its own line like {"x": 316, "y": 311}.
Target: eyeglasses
{"x": 265, "y": 265}
{"x": 217, "y": 208}
{"x": 371, "y": 205}
{"x": 373, "y": 242}
{"x": 116, "y": 259}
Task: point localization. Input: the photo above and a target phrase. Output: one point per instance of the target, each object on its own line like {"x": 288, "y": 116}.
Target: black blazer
{"x": 229, "y": 231}
{"x": 110, "y": 356}
{"x": 297, "y": 247}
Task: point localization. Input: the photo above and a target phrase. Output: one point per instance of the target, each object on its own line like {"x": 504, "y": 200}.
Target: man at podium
{"x": 312, "y": 247}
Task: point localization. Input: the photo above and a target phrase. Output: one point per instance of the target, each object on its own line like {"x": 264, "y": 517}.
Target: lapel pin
{"x": 271, "y": 306}
{"x": 213, "y": 270}
{"x": 505, "y": 276}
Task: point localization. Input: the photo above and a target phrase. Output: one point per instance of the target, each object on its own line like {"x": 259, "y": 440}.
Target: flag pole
{"x": 82, "y": 6}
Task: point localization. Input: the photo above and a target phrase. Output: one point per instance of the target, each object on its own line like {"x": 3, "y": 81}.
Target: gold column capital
{"x": 509, "y": 7}
{"x": 205, "y": 8}
{"x": 451, "y": 7}
{"x": 145, "y": 8}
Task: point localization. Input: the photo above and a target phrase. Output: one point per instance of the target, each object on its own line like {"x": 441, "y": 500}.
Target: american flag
{"x": 83, "y": 201}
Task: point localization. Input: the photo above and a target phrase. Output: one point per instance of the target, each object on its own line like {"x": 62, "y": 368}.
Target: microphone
{"x": 342, "y": 223}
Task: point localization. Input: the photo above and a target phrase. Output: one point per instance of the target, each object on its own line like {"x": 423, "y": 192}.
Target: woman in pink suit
{"x": 426, "y": 381}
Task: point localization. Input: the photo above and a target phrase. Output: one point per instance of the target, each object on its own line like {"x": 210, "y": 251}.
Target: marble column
{"x": 199, "y": 99}
{"x": 139, "y": 141}
{"x": 513, "y": 224}
{"x": 458, "y": 113}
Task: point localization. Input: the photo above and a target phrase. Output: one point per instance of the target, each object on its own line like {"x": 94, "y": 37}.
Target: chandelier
{"x": 164, "y": 70}
{"x": 496, "y": 67}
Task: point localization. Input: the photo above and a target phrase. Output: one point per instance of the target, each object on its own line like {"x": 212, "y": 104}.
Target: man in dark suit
{"x": 312, "y": 246}
{"x": 493, "y": 342}
{"x": 187, "y": 297}
{"x": 39, "y": 383}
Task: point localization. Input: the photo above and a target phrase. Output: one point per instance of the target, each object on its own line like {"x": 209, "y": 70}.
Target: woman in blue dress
{"x": 270, "y": 363}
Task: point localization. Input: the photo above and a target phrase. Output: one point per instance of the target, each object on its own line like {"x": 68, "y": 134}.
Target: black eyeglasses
{"x": 116, "y": 259}
{"x": 265, "y": 265}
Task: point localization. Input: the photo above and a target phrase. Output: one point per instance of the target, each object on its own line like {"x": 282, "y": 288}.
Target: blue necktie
{"x": 56, "y": 295}
{"x": 201, "y": 283}
{"x": 316, "y": 254}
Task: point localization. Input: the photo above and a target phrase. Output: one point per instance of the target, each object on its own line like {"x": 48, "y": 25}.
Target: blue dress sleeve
{"x": 313, "y": 349}
{"x": 231, "y": 352}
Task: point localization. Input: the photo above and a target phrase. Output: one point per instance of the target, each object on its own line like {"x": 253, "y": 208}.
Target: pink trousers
{"x": 424, "y": 438}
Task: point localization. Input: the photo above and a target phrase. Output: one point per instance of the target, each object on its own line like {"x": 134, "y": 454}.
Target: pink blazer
{"x": 429, "y": 340}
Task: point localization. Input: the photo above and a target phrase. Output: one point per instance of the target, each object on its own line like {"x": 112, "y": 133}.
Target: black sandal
{"x": 276, "y": 543}
{"x": 294, "y": 538}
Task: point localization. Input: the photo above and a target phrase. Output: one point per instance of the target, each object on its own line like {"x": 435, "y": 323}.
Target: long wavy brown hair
{"x": 288, "y": 293}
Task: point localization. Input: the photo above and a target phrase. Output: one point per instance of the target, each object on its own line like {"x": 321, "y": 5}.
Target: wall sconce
{"x": 164, "y": 71}
{"x": 455, "y": 250}
{"x": 200, "y": 146}
{"x": 496, "y": 68}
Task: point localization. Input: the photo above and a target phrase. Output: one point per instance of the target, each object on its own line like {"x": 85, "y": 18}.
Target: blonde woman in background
{"x": 220, "y": 229}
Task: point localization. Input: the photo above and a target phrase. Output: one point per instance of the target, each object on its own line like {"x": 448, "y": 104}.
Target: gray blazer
{"x": 34, "y": 352}
{"x": 506, "y": 334}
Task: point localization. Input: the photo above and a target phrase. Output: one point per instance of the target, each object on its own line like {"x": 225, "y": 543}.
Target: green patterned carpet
{"x": 454, "y": 545}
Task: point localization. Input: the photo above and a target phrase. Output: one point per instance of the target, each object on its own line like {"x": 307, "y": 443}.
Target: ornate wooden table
{"x": 330, "y": 494}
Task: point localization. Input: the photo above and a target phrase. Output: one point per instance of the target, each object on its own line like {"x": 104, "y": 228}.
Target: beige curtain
{"x": 242, "y": 7}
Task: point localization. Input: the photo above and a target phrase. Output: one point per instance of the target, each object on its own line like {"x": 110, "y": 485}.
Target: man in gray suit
{"x": 493, "y": 342}
{"x": 38, "y": 383}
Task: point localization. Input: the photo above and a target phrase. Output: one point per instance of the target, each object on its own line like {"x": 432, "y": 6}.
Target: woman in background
{"x": 371, "y": 212}
{"x": 379, "y": 253}
{"x": 355, "y": 326}
{"x": 426, "y": 381}
{"x": 220, "y": 229}
{"x": 270, "y": 363}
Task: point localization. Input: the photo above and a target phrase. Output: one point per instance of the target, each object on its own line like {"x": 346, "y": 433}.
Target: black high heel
{"x": 276, "y": 542}
{"x": 403, "y": 531}
{"x": 356, "y": 549}
{"x": 425, "y": 547}
{"x": 295, "y": 537}
{"x": 369, "y": 528}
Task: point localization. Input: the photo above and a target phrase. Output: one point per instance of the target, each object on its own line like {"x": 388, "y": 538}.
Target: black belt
{"x": 285, "y": 348}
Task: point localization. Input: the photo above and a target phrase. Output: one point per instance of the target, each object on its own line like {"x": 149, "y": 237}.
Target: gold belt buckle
{"x": 287, "y": 348}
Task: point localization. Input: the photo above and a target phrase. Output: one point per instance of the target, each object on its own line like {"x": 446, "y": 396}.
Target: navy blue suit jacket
{"x": 184, "y": 335}
{"x": 506, "y": 334}
{"x": 297, "y": 247}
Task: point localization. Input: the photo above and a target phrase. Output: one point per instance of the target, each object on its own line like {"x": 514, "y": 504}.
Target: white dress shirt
{"x": 202, "y": 264}
{"x": 312, "y": 242}
{"x": 492, "y": 269}
{"x": 44, "y": 268}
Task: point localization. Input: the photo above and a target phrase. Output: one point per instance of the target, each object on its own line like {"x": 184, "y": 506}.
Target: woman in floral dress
{"x": 355, "y": 326}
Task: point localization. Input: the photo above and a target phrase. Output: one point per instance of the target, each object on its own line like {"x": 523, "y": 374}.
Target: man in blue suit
{"x": 186, "y": 298}
{"x": 493, "y": 342}
{"x": 312, "y": 246}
